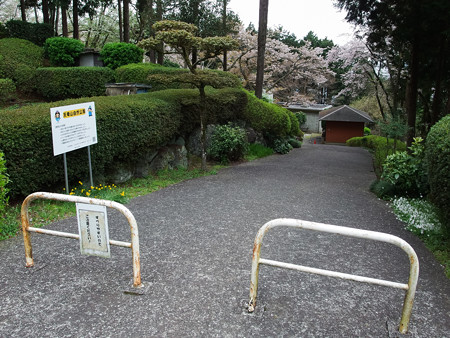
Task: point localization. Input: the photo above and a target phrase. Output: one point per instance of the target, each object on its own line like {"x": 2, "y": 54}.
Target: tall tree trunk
{"x": 224, "y": 27}
{"x": 23, "y": 10}
{"x": 262, "y": 36}
{"x": 126, "y": 21}
{"x": 437, "y": 99}
{"x": 203, "y": 124}
{"x": 411, "y": 91}
{"x": 119, "y": 9}
{"x": 76, "y": 28}
{"x": 45, "y": 14}
{"x": 65, "y": 31}
{"x": 159, "y": 16}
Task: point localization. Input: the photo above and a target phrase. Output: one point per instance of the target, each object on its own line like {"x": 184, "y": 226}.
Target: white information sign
{"x": 93, "y": 230}
{"x": 73, "y": 127}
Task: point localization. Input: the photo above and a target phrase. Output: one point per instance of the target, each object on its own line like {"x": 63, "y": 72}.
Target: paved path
{"x": 196, "y": 243}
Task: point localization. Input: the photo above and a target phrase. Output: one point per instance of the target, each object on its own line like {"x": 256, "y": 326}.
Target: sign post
{"x": 73, "y": 127}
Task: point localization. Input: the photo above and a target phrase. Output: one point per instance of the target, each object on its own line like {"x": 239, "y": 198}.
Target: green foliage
{"x": 7, "y": 90}
{"x": 140, "y": 72}
{"x": 62, "y": 52}
{"x": 4, "y": 179}
{"x": 269, "y": 118}
{"x": 367, "y": 131}
{"x": 19, "y": 60}
{"x": 395, "y": 129}
{"x": 382, "y": 189}
{"x": 36, "y": 33}
{"x": 281, "y": 146}
{"x": 406, "y": 172}
{"x": 116, "y": 54}
{"x": 3, "y": 31}
{"x": 379, "y": 146}
{"x": 126, "y": 127}
{"x": 257, "y": 150}
{"x": 168, "y": 63}
{"x": 301, "y": 117}
{"x": 72, "y": 82}
{"x": 228, "y": 143}
{"x": 437, "y": 157}
{"x": 295, "y": 143}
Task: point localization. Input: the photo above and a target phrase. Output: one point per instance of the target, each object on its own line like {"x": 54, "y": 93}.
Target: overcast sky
{"x": 299, "y": 17}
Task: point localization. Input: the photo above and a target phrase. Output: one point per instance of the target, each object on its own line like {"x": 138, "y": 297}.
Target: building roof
{"x": 308, "y": 109}
{"x": 345, "y": 114}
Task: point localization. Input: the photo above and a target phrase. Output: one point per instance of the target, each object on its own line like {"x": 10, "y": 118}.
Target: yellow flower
{"x": 87, "y": 193}
{"x": 81, "y": 183}
{"x": 122, "y": 193}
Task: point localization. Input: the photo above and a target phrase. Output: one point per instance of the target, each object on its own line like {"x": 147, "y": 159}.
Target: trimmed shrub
{"x": 116, "y": 54}
{"x": 3, "y": 31}
{"x": 295, "y": 143}
{"x": 126, "y": 128}
{"x": 437, "y": 157}
{"x": 72, "y": 82}
{"x": 7, "y": 90}
{"x": 268, "y": 118}
{"x": 222, "y": 106}
{"x": 380, "y": 146}
{"x": 37, "y": 33}
{"x": 382, "y": 189}
{"x": 62, "y": 52}
{"x": 4, "y": 179}
{"x": 228, "y": 143}
{"x": 139, "y": 73}
{"x": 19, "y": 60}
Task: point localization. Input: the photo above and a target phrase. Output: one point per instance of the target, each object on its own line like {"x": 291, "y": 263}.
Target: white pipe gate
{"x": 26, "y": 229}
{"x": 351, "y": 232}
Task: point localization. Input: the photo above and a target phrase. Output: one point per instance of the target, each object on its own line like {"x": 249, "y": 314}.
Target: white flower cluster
{"x": 418, "y": 214}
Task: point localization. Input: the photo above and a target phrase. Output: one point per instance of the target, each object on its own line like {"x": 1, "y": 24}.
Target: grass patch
{"x": 422, "y": 218}
{"x": 258, "y": 151}
{"x": 44, "y": 212}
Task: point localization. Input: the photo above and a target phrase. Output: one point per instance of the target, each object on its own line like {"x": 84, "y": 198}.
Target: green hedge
{"x": 72, "y": 82}
{"x": 380, "y": 146}
{"x": 223, "y": 105}
{"x": 270, "y": 118}
{"x": 125, "y": 127}
{"x": 62, "y": 52}
{"x": 37, "y": 33}
{"x": 116, "y": 54}
{"x": 139, "y": 72}
{"x": 19, "y": 60}
{"x": 437, "y": 157}
{"x": 7, "y": 90}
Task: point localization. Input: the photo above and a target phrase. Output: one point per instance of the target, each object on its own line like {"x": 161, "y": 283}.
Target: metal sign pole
{"x": 90, "y": 166}
{"x": 65, "y": 173}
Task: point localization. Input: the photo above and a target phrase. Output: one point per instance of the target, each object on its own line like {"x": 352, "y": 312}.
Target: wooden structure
{"x": 342, "y": 123}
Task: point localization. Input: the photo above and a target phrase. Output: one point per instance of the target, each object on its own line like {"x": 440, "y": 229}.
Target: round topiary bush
{"x": 437, "y": 156}
{"x": 19, "y": 55}
{"x": 116, "y": 54}
{"x": 62, "y": 52}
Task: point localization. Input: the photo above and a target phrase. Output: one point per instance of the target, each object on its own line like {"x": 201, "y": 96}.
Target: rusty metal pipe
{"x": 345, "y": 231}
{"x": 26, "y": 229}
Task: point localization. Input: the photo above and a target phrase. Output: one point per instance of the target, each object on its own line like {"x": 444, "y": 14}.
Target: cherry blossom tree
{"x": 290, "y": 72}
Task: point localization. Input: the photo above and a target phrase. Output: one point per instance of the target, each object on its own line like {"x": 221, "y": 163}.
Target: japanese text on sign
{"x": 93, "y": 230}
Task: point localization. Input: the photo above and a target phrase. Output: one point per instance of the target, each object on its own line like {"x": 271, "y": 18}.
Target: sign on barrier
{"x": 93, "y": 230}
{"x": 92, "y": 212}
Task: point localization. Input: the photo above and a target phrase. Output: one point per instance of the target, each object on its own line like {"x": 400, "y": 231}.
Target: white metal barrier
{"x": 351, "y": 232}
{"x": 26, "y": 229}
